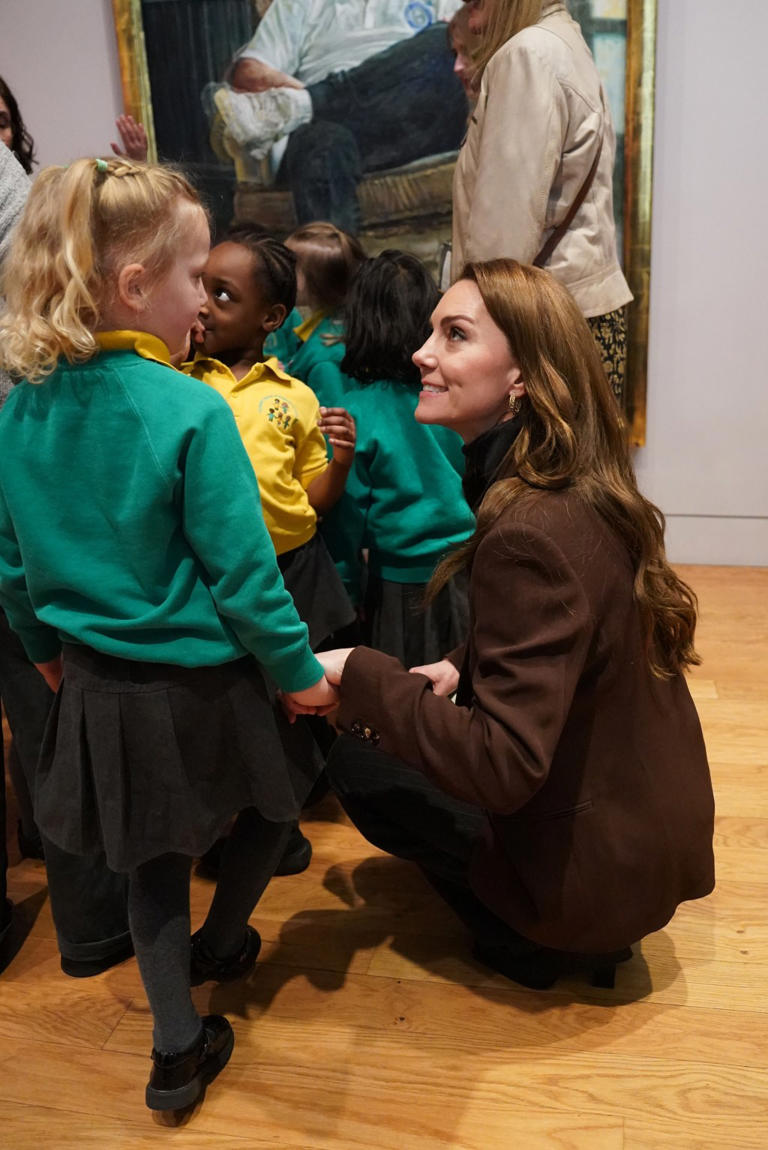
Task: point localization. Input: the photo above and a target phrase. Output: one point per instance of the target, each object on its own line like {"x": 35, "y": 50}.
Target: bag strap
{"x": 562, "y": 228}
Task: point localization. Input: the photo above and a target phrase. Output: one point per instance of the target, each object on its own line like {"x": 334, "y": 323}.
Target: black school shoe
{"x": 297, "y": 854}
{"x": 204, "y": 966}
{"x": 178, "y": 1080}
{"x": 541, "y": 969}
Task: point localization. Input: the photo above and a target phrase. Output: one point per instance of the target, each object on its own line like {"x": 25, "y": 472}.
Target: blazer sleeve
{"x": 524, "y": 126}
{"x": 531, "y": 635}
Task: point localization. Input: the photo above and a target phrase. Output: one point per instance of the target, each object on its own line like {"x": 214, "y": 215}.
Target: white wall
{"x": 59, "y": 58}
{"x": 706, "y": 459}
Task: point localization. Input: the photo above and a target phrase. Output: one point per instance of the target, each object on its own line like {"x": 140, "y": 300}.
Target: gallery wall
{"x": 706, "y": 461}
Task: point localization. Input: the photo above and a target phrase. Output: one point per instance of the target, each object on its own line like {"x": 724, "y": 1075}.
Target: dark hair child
{"x": 404, "y": 501}
{"x": 250, "y": 284}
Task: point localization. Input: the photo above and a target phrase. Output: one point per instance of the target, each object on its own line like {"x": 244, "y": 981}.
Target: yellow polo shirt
{"x": 277, "y": 419}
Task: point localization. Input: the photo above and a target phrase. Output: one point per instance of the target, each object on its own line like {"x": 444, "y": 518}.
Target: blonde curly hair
{"x": 80, "y": 225}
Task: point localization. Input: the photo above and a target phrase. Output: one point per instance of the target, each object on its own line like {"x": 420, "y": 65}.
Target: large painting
{"x": 392, "y": 182}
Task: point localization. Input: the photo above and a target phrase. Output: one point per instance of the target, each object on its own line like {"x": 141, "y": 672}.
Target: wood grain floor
{"x": 367, "y": 1024}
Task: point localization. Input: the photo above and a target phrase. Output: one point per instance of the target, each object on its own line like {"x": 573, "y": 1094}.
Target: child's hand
{"x": 319, "y": 699}
{"x": 338, "y": 425}
{"x": 133, "y": 138}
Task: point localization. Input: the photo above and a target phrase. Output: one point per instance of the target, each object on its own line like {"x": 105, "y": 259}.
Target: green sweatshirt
{"x": 130, "y": 521}
{"x": 403, "y": 500}
{"x": 302, "y": 346}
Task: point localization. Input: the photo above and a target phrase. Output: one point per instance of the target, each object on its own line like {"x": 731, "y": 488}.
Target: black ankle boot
{"x": 178, "y": 1079}
{"x": 541, "y": 969}
{"x": 297, "y": 854}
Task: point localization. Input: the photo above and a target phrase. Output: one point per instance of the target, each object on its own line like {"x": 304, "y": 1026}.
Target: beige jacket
{"x": 530, "y": 145}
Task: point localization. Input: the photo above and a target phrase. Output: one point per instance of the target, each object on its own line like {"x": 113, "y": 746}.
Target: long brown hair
{"x": 505, "y": 19}
{"x": 573, "y": 437}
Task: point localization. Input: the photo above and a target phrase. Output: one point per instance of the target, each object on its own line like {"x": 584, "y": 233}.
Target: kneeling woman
{"x": 563, "y": 807}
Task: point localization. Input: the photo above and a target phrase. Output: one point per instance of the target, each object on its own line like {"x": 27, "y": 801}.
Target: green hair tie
{"x": 102, "y": 166}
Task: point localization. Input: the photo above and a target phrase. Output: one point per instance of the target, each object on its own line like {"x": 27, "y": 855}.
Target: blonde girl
{"x": 137, "y": 570}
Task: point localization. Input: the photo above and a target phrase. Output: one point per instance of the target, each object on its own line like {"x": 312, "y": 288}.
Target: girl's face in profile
{"x": 462, "y": 64}
{"x": 236, "y": 316}
{"x": 172, "y": 303}
{"x": 467, "y": 369}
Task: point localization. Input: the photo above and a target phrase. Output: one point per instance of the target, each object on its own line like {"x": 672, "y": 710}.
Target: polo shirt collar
{"x": 140, "y": 342}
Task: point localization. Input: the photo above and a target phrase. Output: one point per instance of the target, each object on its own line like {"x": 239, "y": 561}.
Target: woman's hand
{"x": 339, "y": 427}
{"x": 133, "y": 138}
{"x": 319, "y": 699}
{"x": 334, "y": 662}
{"x": 51, "y": 672}
{"x": 443, "y": 676}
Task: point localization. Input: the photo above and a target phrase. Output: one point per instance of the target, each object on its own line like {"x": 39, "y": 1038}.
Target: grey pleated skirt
{"x": 140, "y": 759}
{"x": 399, "y": 622}
{"x": 314, "y": 584}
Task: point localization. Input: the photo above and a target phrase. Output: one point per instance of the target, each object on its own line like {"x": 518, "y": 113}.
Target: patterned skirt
{"x": 610, "y": 333}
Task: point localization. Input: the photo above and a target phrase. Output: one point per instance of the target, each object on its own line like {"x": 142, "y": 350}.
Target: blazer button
{"x": 357, "y": 730}
{"x": 371, "y": 736}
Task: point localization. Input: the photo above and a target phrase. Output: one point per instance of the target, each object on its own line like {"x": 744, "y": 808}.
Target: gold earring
{"x": 515, "y": 403}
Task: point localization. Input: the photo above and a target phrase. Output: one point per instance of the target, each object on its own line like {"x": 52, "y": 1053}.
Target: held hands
{"x": 339, "y": 427}
{"x": 334, "y": 662}
{"x": 443, "y": 676}
{"x": 319, "y": 699}
{"x": 133, "y": 138}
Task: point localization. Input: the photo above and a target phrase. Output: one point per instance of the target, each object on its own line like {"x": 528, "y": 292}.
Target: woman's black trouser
{"x": 400, "y": 811}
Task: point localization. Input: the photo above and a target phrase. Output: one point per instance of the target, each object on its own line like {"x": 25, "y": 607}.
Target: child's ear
{"x": 130, "y": 286}
{"x": 274, "y": 318}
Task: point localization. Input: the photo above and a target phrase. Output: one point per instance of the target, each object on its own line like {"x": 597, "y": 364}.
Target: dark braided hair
{"x": 275, "y": 265}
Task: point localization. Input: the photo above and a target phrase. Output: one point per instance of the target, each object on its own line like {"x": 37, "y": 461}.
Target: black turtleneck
{"x": 483, "y": 457}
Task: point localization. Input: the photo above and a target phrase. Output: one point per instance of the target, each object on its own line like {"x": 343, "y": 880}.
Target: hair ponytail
{"x": 79, "y": 226}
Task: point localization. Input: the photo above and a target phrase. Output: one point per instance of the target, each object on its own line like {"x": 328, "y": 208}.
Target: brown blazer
{"x": 593, "y": 772}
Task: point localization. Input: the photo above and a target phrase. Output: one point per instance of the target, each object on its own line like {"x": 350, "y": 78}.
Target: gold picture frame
{"x": 638, "y": 167}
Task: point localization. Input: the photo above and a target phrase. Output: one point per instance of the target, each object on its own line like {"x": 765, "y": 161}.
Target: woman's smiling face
{"x": 468, "y": 372}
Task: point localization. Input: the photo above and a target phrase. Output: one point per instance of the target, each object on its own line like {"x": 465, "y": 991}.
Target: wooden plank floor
{"x": 368, "y": 1025}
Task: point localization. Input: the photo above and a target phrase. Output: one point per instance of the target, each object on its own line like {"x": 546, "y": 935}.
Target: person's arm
{"x": 532, "y": 631}
{"x": 41, "y": 642}
{"x": 326, "y": 489}
{"x": 249, "y": 75}
{"x": 224, "y": 525}
{"x": 133, "y": 138}
{"x": 524, "y": 125}
{"x": 273, "y": 56}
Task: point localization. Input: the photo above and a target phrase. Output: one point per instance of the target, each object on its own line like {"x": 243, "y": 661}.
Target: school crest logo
{"x": 279, "y": 411}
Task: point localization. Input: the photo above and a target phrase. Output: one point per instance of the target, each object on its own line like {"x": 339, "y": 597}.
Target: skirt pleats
{"x": 141, "y": 759}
